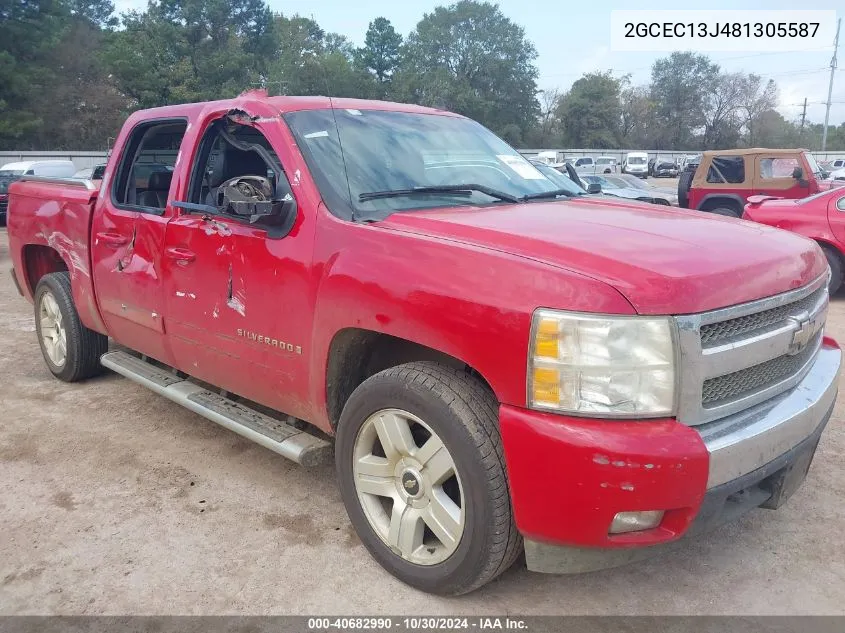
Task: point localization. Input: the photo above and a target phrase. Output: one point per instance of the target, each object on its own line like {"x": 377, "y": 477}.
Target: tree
{"x": 98, "y": 12}
{"x": 637, "y": 113}
{"x": 380, "y": 53}
{"x": 679, "y": 91}
{"x": 311, "y": 61}
{"x": 590, "y": 113}
{"x": 29, "y": 31}
{"x": 756, "y": 98}
{"x": 470, "y": 58}
{"x": 721, "y": 122}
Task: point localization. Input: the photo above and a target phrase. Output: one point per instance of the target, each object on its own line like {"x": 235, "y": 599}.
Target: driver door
{"x": 238, "y": 312}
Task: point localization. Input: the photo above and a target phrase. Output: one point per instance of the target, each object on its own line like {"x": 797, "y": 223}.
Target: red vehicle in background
{"x": 821, "y": 217}
{"x": 725, "y": 179}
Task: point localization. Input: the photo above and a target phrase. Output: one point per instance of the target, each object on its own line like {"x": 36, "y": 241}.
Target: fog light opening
{"x": 635, "y": 521}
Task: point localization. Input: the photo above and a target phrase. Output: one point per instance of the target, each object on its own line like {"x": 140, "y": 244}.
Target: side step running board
{"x": 282, "y": 438}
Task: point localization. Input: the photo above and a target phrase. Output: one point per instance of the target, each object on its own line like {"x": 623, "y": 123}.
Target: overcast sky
{"x": 573, "y": 37}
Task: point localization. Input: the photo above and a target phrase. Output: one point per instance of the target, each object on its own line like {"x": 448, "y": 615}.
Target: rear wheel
{"x": 834, "y": 260}
{"x": 422, "y": 475}
{"x": 71, "y": 350}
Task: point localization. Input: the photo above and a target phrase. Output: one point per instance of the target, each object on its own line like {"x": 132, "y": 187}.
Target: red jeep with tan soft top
{"x": 724, "y": 179}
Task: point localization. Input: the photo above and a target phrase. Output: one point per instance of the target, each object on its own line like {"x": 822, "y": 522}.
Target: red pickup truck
{"x": 495, "y": 363}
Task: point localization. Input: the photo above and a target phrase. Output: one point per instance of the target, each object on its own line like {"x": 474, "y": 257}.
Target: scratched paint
{"x": 236, "y": 303}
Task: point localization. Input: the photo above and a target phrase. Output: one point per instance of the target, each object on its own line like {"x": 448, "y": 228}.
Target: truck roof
{"x": 287, "y": 104}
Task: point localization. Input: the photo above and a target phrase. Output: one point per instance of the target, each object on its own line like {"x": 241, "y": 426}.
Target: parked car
{"x": 584, "y": 164}
{"x": 10, "y": 172}
{"x": 690, "y": 162}
{"x": 838, "y": 174}
{"x": 615, "y": 186}
{"x": 821, "y": 217}
{"x": 605, "y": 165}
{"x": 661, "y": 195}
{"x": 836, "y": 163}
{"x": 91, "y": 173}
{"x": 491, "y": 367}
{"x": 636, "y": 164}
{"x": 725, "y": 179}
{"x": 665, "y": 169}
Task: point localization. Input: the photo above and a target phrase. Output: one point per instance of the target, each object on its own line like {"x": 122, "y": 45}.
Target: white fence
{"x": 87, "y": 159}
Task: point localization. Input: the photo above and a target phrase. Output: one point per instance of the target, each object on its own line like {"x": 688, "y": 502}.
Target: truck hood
{"x": 664, "y": 261}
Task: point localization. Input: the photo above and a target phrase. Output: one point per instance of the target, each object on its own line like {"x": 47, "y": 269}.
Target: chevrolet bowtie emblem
{"x": 802, "y": 334}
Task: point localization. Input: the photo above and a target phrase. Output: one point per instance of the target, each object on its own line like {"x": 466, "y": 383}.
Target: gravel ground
{"x": 115, "y": 501}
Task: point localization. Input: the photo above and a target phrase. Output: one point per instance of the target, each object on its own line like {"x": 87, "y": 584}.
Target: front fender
{"x": 468, "y": 302}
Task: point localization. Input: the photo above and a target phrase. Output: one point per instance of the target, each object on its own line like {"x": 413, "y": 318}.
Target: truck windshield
{"x": 369, "y": 164}
{"x": 7, "y": 177}
{"x": 636, "y": 160}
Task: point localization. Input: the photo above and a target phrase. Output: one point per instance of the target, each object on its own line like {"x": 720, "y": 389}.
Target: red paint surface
{"x": 820, "y": 219}
{"x": 464, "y": 282}
{"x": 570, "y": 476}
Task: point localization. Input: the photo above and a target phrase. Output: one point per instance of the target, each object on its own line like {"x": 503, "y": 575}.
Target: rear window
{"x": 636, "y": 160}
{"x": 727, "y": 169}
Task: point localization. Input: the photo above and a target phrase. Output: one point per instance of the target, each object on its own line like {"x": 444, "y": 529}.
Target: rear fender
{"x": 59, "y": 219}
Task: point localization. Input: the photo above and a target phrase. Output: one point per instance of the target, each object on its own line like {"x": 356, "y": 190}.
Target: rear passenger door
{"x": 128, "y": 236}
{"x": 773, "y": 176}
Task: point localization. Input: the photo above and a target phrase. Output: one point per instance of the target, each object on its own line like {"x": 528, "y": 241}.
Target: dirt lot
{"x": 115, "y": 501}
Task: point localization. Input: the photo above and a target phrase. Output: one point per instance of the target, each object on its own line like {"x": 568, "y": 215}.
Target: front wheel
{"x": 71, "y": 350}
{"x": 422, "y": 475}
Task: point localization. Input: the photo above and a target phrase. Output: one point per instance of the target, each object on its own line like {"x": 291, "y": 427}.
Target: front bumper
{"x": 570, "y": 476}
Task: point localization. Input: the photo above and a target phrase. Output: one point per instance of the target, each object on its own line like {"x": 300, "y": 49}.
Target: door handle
{"x": 113, "y": 239}
{"x": 182, "y": 255}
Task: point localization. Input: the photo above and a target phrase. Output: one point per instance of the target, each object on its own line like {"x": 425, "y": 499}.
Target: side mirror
{"x": 798, "y": 173}
{"x": 594, "y": 187}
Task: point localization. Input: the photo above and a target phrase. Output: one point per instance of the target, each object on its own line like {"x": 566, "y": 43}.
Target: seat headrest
{"x": 160, "y": 180}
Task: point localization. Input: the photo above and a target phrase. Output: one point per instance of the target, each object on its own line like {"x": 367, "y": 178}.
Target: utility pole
{"x": 830, "y": 86}
{"x": 804, "y": 114}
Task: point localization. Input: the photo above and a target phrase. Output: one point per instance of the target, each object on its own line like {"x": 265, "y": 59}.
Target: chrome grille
{"x": 751, "y": 379}
{"x": 736, "y": 357}
{"x": 718, "y": 333}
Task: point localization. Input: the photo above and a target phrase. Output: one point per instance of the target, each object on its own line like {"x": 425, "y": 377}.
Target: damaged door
{"x": 128, "y": 234}
{"x": 237, "y": 302}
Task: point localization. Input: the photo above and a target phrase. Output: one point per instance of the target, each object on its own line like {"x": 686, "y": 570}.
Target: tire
{"x": 834, "y": 260}
{"x": 461, "y": 412}
{"x": 684, "y": 182}
{"x": 82, "y": 347}
{"x": 726, "y": 211}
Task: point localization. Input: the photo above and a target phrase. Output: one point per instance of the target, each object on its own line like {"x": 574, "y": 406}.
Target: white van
{"x": 10, "y": 172}
{"x": 51, "y": 168}
{"x": 636, "y": 164}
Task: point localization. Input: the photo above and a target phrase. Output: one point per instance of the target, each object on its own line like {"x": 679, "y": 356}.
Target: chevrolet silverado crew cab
{"x": 494, "y": 363}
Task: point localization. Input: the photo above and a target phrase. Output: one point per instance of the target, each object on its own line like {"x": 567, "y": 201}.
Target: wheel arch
{"x": 39, "y": 260}
{"x": 355, "y": 354}
{"x": 714, "y": 200}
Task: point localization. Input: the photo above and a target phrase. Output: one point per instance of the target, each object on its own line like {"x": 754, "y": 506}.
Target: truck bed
{"x": 54, "y": 215}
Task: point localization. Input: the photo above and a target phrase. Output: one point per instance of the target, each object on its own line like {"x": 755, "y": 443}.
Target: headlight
{"x": 601, "y": 365}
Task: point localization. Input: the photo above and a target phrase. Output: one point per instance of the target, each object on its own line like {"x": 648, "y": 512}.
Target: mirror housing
{"x": 798, "y": 173}
{"x": 594, "y": 187}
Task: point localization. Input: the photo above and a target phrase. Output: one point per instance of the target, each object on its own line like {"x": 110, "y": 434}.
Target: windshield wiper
{"x": 554, "y": 193}
{"x": 463, "y": 189}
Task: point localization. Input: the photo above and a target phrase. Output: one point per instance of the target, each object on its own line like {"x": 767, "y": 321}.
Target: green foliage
{"x": 679, "y": 91}
{"x": 470, "y": 58}
{"x": 380, "y": 54}
{"x": 591, "y": 113}
{"x": 70, "y": 72}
